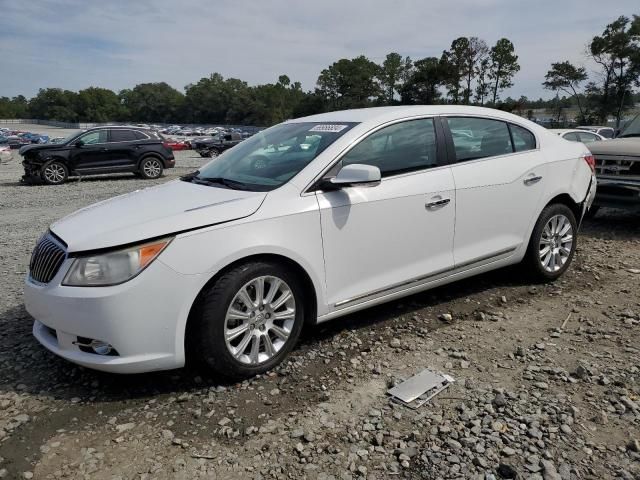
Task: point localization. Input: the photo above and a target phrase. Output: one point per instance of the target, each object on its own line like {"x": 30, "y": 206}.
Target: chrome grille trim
{"x": 47, "y": 258}
{"x": 613, "y": 166}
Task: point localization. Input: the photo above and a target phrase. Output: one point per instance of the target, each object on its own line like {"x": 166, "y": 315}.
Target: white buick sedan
{"x": 304, "y": 222}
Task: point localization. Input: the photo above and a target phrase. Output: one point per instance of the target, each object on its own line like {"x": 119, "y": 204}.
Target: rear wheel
{"x": 54, "y": 173}
{"x": 151, "y": 168}
{"x": 553, "y": 243}
{"x": 249, "y": 320}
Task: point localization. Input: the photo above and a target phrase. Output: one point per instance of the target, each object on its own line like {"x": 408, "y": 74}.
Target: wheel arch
{"x": 311, "y": 304}
{"x": 566, "y": 199}
{"x": 154, "y": 155}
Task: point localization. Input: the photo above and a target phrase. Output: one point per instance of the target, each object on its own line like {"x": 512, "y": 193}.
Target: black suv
{"x": 212, "y": 147}
{"x": 98, "y": 150}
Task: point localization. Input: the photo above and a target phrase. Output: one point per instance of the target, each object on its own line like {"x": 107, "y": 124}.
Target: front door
{"x": 92, "y": 153}
{"x": 382, "y": 238}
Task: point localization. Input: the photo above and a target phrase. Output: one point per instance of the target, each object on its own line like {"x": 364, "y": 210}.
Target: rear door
{"x": 499, "y": 175}
{"x": 123, "y": 145}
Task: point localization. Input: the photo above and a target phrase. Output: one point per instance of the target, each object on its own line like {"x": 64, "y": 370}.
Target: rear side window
{"x": 523, "y": 139}
{"x": 475, "y": 138}
{"x": 399, "y": 148}
{"x": 606, "y": 132}
{"x": 121, "y": 135}
{"x": 586, "y": 137}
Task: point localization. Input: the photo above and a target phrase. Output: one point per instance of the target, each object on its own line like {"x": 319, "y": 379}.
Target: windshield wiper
{"x": 226, "y": 182}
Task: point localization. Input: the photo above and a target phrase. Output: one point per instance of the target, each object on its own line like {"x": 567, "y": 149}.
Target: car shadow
{"x": 26, "y": 366}
{"x": 612, "y": 223}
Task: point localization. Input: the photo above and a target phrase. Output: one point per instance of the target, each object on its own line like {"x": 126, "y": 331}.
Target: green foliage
{"x": 503, "y": 65}
{"x": 151, "y": 102}
{"x": 424, "y": 81}
{"x": 350, "y": 83}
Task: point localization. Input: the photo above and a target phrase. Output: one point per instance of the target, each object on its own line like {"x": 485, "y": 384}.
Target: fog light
{"x": 101, "y": 348}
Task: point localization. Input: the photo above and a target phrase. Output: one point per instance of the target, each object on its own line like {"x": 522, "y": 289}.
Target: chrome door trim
{"x": 426, "y": 278}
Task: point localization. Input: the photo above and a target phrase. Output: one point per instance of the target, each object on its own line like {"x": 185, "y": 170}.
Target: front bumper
{"x": 618, "y": 192}
{"x": 142, "y": 319}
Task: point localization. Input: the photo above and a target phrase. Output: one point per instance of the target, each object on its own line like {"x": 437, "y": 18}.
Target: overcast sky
{"x": 116, "y": 44}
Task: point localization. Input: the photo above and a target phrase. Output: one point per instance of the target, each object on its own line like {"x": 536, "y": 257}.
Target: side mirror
{"x": 354, "y": 175}
{"x": 79, "y": 143}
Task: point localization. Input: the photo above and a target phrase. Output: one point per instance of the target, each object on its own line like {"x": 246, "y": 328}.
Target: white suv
{"x": 304, "y": 222}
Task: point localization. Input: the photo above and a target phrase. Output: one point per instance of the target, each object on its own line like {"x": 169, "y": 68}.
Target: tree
{"x": 98, "y": 105}
{"x": 567, "y": 78}
{"x": 391, "y": 75}
{"x": 503, "y": 65}
{"x": 152, "y": 102}
{"x": 423, "y": 86}
{"x": 54, "y": 104}
{"x": 617, "y": 51}
{"x": 474, "y": 55}
{"x": 454, "y": 63}
{"x": 482, "y": 85}
{"x": 349, "y": 83}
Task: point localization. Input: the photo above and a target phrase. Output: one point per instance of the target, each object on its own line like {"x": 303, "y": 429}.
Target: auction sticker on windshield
{"x": 328, "y": 128}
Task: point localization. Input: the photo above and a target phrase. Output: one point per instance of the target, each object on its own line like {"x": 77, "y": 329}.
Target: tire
{"x": 151, "y": 168}
{"x": 54, "y": 172}
{"x": 556, "y": 229}
{"x": 220, "y": 311}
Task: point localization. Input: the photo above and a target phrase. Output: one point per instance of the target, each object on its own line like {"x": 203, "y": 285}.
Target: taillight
{"x": 591, "y": 161}
{"x": 166, "y": 145}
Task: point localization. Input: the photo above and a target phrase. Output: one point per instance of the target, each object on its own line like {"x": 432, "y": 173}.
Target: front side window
{"x": 121, "y": 135}
{"x": 272, "y": 157}
{"x": 96, "y": 136}
{"x": 586, "y": 137}
{"x": 398, "y": 148}
{"x": 571, "y": 136}
{"x": 523, "y": 139}
{"x": 475, "y": 138}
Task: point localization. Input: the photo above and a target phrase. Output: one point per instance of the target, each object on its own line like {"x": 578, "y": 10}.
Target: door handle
{"x": 438, "y": 203}
{"x": 532, "y": 180}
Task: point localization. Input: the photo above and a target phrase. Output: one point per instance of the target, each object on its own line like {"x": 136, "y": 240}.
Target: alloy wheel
{"x": 152, "y": 168}
{"x": 259, "y": 320}
{"x": 54, "y": 173}
{"x": 556, "y": 243}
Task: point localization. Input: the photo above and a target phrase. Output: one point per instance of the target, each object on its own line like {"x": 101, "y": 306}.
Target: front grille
{"x": 617, "y": 166}
{"x": 46, "y": 259}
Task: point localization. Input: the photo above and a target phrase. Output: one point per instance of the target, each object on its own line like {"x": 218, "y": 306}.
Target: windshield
{"x": 271, "y": 157}
{"x": 632, "y": 129}
{"x": 70, "y": 137}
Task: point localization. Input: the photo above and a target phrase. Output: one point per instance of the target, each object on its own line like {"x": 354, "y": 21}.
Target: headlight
{"x": 114, "y": 267}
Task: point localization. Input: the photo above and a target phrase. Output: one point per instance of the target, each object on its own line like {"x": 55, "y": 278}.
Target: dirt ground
{"x": 546, "y": 378}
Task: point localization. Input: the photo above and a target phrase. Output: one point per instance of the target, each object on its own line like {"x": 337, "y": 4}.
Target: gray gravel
{"x": 532, "y": 399}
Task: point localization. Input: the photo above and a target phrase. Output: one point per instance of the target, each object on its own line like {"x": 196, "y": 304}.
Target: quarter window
{"x": 97, "y": 136}
{"x": 399, "y": 148}
{"x": 475, "y": 138}
{"x": 121, "y": 135}
{"x": 523, "y": 139}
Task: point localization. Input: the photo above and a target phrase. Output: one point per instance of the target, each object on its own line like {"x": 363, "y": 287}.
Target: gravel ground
{"x": 546, "y": 378}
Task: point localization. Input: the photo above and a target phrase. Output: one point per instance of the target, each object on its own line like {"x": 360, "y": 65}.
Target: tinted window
{"x": 139, "y": 135}
{"x": 120, "y": 135}
{"x": 479, "y": 138}
{"x": 586, "y": 137}
{"x": 606, "y": 132}
{"x": 402, "y": 147}
{"x": 523, "y": 139}
{"x": 571, "y": 136}
{"x": 96, "y": 136}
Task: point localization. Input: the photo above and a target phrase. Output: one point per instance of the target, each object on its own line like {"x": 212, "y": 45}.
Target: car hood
{"x": 619, "y": 146}
{"x": 154, "y": 212}
{"x": 34, "y": 146}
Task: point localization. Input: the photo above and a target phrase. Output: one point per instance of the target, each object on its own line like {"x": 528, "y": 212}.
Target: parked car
{"x": 226, "y": 264}
{"x": 177, "y": 144}
{"x": 618, "y": 169}
{"x": 575, "y": 135}
{"x": 606, "y": 132}
{"x": 215, "y": 145}
{"x": 5, "y": 153}
{"x": 98, "y": 150}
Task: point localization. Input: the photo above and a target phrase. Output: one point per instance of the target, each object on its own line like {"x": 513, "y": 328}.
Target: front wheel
{"x": 249, "y": 320}
{"x": 151, "y": 168}
{"x": 54, "y": 173}
{"x": 553, "y": 243}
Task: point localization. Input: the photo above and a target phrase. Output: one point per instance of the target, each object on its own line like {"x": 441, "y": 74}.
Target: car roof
{"x": 377, "y": 115}
{"x": 598, "y": 127}
{"x": 128, "y": 127}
